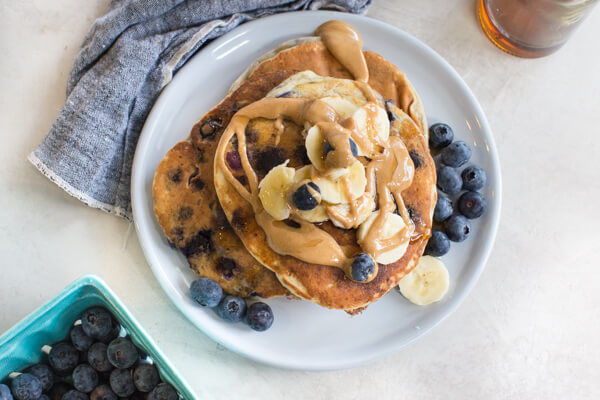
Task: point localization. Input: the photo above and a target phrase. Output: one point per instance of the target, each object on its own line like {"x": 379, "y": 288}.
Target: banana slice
{"x": 343, "y": 107}
{"x": 317, "y": 214}
{"x": 393, "y": 225}
{"x": 333, "y": 190}
{"x": 314, "y": 147}
{"x": 372, "y": 121}
{"x": 427, "y": 283}
{"x": 340, "y": 213}
{"x": 273, "y": 191}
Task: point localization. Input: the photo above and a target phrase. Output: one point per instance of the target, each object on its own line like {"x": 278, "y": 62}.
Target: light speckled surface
{"x": 531, "y": 327}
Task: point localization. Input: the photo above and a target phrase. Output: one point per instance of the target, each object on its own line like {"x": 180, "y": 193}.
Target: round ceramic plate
{"x": 304, "y": 335}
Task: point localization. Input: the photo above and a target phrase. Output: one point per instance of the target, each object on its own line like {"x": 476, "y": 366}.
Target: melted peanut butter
{"x": 388, "y": 173}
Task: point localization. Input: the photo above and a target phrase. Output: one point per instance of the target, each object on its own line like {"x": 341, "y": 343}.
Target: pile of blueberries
{"x": 97, "y": 363}
{"x": 452, "y": 218}
{"x": 207, "y": 293}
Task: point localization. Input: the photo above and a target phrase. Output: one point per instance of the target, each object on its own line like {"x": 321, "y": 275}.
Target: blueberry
{"x": 58, "y": 390}
{"x": 456, "y": 154}
{"x": 63, "y": 358}
{"x": 353, "y": 148}
{"x": 79, "y": 339}
{"x": 206, "y": 292}
{"x": 113, "y": 334}
{"x": 121, "y": 382}
{"x": 44, "y": 374}
{"x": 440, "y": 135}
{"x": 474, "y": 178}
{"x": 44, "y": 397}
{"x": 98, "y": 359}
{"x": 438, "y": 244}
{"x": 457, "y": 228}
{"x": 26, "y": 387}
{"x": 327, "y": 148}
{"x": 448, "y": 180}
{"x": 472, "y": 205}
{"x": 145, "y": 377}
{"x": 103, "y": 392}
{"x": 163, "y": 391}
{"x": 303, "y": 199}
{"x": 122, "y": 353}
{"x": 75, "y": 395}
{"x": 85, "y": 378}
{"x": 363, "y": 266}
{"x": 5, "y": 393}
{"x": 231, "y": 308}
{"x": 96, "y": 322}
{"x": 259, "y": 316}
{"x": 443, "y": 209}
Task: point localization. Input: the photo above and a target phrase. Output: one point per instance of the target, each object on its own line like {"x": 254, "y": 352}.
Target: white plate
{"x": 305, "y": 336}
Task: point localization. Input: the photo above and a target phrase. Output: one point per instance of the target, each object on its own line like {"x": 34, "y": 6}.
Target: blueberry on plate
{"x": 122, "y": 353}
{"x": 363, "y": 266}
{"x": 327, "y": 148}
{"x": 443, "y": 209}
{"x": 206, "y": 292}
{"x": 85, "y": 378}
{"x": 474, "y": 178}
{"x": 448, "y": 180}
{"x": 438, "y": 244}
{"x": 353, "y": 147}
{"x": 145, "y": 377}
{"x": 63, "y": 357}
{"x": 5, "y": 393}
{"x": 75, "y": 395}
{"x": 96, "y": 322}
{"x": 44, "y": 374}
{"x": 79, "y": 339}
{"x": 98, "y": 358}
{"x": 457, "y": 228}
{"x": 259, "y": 316}
{"x": 456, "y": 154}
{"x": 26, "y": 387}
{"x": 472, "y": 205}
{"x": 121, "y": 382}
{"x": 303, "y": 198}
{"x": 163, "y": 391}
{"x": 231, "y": 308}
{"x": 440, "y": 135}
{"x": 103, "y": 392}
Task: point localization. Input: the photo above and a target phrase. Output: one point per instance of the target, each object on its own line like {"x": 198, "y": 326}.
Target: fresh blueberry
{"x": 474, "y": 178}
{"x": 303, "y": 199}
{"x": 363, "y": 267}
{"x": 58, "y": 390}
{"x": 353, "y": 148}
{"x": 472, "y": 205}
{"x": 26, "y": 387}
{"x": 438, "y": 244}
{"x": 63, "y": 357}
{"x": 259, "y": 316}
{"x": 231, "y": 308}
{"x": 206, "y": 292}
{"x": 121, "y": 382}
{"x": 440, "y": 135}
{"x": 44, "y": 374}
{"x": 96, "y": 322}
{"x": 448, "y": 180}
{"x": 98, "y": 359}
{"x": 5, "y": 393}
{"x": 113, "y": 334}
{"x": 327, "y": 148}
{"x": 443, "y": 209}
{"x": 457, "y": 228}
{"x": 145, "y": 377}
{"x": 85, "y": 378}
{"x": 103, "y": 392}
{"x": 163, "y": 391}
{"x": 122, "y": 353}
{"x": 456, "y": 154}
{"x": 79, "y": 339}
{"x": 75, "y": 395}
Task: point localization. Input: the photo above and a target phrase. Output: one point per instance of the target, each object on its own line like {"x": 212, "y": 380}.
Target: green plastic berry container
{"x": 21, "y": 346}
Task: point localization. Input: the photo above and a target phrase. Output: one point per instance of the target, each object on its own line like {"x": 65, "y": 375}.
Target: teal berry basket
{"x": 21, "y": 346}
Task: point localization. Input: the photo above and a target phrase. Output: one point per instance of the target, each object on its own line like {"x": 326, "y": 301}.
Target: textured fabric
{"x": 126, "y": 59}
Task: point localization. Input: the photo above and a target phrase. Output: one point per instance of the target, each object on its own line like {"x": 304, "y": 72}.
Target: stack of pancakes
{"x": 204, "y": 217}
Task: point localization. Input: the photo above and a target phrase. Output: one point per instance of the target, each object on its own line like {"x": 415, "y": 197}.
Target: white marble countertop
{"x": 531, "y": 327}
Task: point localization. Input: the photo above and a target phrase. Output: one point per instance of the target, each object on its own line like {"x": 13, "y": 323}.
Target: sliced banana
{"x": 371, "y": 120}
{"x": 314, "y": 147}
{"x": 333, "y": 191}
{"x": 394, "y": 224}
{"x": 340, "y": 213}
{"x": 344, "y": 108}
{"x": 273, "y": 191}
{"x": 427, "y": 283}
{"x": 317, "y": 214}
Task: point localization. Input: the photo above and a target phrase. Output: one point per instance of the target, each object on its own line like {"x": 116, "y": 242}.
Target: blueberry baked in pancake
{"x": 312, "y": 178}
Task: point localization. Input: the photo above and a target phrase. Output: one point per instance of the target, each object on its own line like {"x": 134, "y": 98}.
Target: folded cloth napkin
{"x": 126, "y": 59}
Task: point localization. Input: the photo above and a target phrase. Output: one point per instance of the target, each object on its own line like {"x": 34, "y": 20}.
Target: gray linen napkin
{"x": 125, "y": 60}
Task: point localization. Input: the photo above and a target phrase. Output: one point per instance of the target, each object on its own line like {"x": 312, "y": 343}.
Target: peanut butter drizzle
{"x": 388, "y": 173}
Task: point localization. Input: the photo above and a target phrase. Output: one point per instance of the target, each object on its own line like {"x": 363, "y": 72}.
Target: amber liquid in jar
{"x": 531, "y": 28}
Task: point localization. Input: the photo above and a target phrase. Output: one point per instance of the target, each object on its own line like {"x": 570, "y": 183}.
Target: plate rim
{"x": 392, "y": 347}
